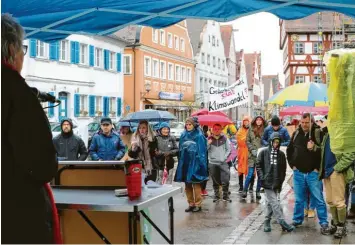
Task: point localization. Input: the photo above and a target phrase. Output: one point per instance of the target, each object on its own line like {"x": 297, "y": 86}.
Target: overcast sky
{"x": 260, "y": 32}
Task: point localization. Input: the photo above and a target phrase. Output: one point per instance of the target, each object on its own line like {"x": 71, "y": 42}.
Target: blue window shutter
{"x": 56, "y": 52}
{"x": 106, "y": 59}
{"x": 106, "y": 106}
{"x": 76, "y": 105}
{"x": 119, "y": 62}
{"x": 53, "y": 51}
{"x": 92, "y": 56}
{"x": 92, "y": 101}
{"x": 77, "y": 52}
{"x": 51, "y": 109}
{"x": 119, "y": 107}
{"x": 72, "y": 52}
{"x": 33, "y": 48}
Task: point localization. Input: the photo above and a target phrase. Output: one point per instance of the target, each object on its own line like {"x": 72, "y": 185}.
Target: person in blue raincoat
{"x": 192, "y": 165}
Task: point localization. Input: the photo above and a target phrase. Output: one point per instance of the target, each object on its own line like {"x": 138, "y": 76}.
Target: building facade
{"x": 84, "y": 73}
{"x": 304, "y": 43}
{"x": 227, "y": 33}
{"x": 211, "y": 66}
{"x": 158, "y": 69}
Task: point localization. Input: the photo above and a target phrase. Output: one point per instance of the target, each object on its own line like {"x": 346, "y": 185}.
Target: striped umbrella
{"x": 301, "y": 94}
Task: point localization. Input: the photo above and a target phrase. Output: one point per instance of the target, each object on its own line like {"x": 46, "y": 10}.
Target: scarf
{"x": 143, "y": 143}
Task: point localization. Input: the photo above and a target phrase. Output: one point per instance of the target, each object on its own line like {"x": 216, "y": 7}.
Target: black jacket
{"x": 272, "y": 175}
{"x": 70, "y": 148}
{"x": 166, "y": 144}
{"x": 28, "y": 161}
{"x": 297, "y": 153}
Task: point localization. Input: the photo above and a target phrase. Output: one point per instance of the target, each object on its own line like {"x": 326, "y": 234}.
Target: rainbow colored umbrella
{"x": 301, "y": 94}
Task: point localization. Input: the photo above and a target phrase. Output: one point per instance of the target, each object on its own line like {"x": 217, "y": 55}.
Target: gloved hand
{"x": 254, "y": 153}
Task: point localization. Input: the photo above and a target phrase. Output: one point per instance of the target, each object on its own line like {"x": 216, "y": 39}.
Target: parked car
{"x": 176, "y": 129}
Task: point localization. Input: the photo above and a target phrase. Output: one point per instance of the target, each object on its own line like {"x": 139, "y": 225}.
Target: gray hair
{"x": 11, "y": 33}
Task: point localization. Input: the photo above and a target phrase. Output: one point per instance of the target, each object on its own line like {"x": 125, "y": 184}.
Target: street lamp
{"x": 147, "y": 90}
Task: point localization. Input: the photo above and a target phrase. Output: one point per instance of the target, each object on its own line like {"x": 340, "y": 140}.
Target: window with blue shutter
{"x": 92, "y": 55}
{"x": 72, "y": 52}
{"x": 76, "y": 105}
{"x": 119, "y": 107}
{"x": 106, "y": 106}
{"x": 77, "y": 52}
{"x": 92, "y": 102}
{"x": 33, "y": 48}
{"x": 119, "y": 61}
{"x": 54, "y": 51}
{"x": 106, "y": 59}
{"x": 51, "y": 108}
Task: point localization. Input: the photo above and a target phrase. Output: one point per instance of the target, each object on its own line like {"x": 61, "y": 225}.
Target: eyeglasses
{"x": 24, "y": 49}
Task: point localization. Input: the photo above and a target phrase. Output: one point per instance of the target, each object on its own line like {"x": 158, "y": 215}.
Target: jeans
{"x": 310, "y": 182}
{"x": 309, "y": 202}
{"x": 249, "y": 177}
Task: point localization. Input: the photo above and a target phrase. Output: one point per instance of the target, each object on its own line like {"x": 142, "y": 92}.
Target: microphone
{"x": 44, "y": 97}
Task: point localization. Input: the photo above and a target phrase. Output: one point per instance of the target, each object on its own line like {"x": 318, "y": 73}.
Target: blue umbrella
{"x": 149, "y": 115}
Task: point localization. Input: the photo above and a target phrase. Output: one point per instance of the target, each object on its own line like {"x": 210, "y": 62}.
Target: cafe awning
{"x": 50, "y": 20}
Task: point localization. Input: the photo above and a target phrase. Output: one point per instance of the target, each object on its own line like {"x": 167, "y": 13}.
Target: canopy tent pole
{"x": 58, "y": 31}
{"x": 61, "y": 21}
{"x": 152, "y": 17}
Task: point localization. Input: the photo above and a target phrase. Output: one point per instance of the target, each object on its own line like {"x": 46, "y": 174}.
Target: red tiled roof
{"x": 226, "y": 33}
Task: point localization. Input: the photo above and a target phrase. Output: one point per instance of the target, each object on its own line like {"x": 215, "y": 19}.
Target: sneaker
{"x": 325, "y": 230}
{"x": 258, "y": 196}
{"x": 227, "y": 199}
{"x": 305, "y": 212}
{"x": 311, "y": 213}
{"x": 341, "y": 231}
{"x": 189, "y": 209}
{"x": 204, "y": 193}
{"x": 216, "y": 199}
{"x": 196, "y": 209}
{"x": 295, "y": 224}
{"x": 244, "y": 194}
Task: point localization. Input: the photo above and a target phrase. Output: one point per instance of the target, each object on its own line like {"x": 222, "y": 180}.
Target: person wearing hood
{"x": 107, "y": 145}
{"x": 167, "y": 150}
{"x": 242, "y": 152}
{"x": 69, "y": 147}
{"x": 144, "y": 147}
{"x": 255, "y": 134}
{"x": 276, "y": 127}
{"x": 126, "y": 137}
{"x": 192, "y": 165}
{"x": 271, "y": 168}
{"x": 334, "y": 171}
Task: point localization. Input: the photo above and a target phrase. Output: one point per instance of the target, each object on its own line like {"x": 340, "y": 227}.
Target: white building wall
{"x": 207, "y": 72}
{"x": 57, "y": 76}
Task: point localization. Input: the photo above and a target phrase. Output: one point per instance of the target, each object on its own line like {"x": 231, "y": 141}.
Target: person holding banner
{"x": 242, "y": 152}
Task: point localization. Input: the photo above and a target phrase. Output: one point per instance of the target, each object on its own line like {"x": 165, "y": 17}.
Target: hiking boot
{"x": 296, "y": 225}
{"x": 305, "y": 213}
{"x": 325, "y": 230}
{"x": 267, "y": 226}
{"x": 196, "y": 209}
{"x": 286, "y": 227}
{"x": 244, "y": 194}
{"x": 216, "y": 199}
{"x": 341, "y": 231}
{"x": 258, "y": 196}
{"x": 333, "y": 228}
{"x": 189, "y": 209}
{"x": 227, "y": 199}
{"x": 204, "y": 193}
{"x": 311, "y": 213}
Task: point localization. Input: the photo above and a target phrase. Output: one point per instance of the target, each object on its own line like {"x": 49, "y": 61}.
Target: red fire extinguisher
{"x": 133, "y": 169}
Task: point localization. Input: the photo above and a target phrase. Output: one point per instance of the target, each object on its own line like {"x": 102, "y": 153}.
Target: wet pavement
{"x": 240, "y": 222}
